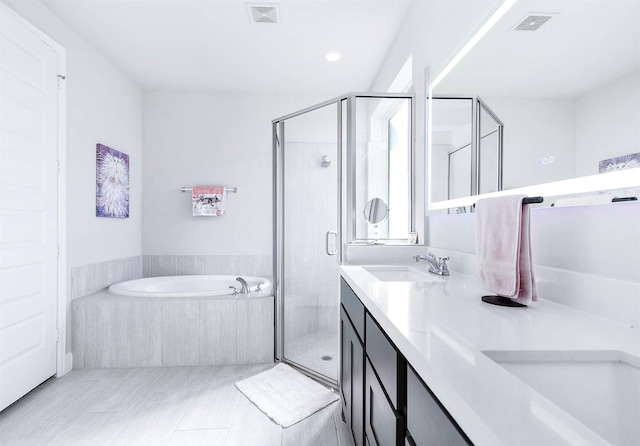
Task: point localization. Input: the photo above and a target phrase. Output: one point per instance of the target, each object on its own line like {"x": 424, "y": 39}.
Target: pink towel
{"x": 208, "y": 201}
{"x": 503, "y": 247}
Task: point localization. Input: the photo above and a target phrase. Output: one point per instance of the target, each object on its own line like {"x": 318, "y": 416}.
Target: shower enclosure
{"x": 318, "y": 168}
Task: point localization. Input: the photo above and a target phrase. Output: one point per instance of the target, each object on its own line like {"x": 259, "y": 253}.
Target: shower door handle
{"x": 326, "y": 240}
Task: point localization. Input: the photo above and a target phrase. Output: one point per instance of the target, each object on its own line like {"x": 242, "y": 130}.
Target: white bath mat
{"x": 285, "y": 395}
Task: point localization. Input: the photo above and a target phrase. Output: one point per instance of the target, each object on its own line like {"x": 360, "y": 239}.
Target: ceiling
{"x": 212, "y": 44}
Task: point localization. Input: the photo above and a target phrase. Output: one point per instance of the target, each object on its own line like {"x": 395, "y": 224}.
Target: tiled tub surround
{"x": 123, "y": 331}
{"x": 176, "y": 265}
{"x": 87, "y": 279}
{"x": 117, "y": 331}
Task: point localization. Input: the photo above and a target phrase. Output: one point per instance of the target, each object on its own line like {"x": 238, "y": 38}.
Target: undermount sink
{"x": 397, "y": 273}
{"x": 601, "y": 389}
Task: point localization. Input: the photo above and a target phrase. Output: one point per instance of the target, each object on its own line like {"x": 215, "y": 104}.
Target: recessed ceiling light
{"x": 333, "y": 55}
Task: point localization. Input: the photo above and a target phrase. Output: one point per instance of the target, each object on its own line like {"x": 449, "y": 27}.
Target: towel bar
{"x": 531, "y": 200}
{"x": 527, "y": 200}
{"x": 231, "y": 190}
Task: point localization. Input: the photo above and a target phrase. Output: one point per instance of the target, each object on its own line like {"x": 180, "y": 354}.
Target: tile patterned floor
{"x": 158, "y": 406}
{"x": 309, "y": 350}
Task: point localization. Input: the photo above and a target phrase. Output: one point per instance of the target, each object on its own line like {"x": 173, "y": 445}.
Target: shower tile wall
{"x": 311, "y": 303}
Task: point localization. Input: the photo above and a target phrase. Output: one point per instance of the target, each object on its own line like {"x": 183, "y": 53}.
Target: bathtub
{"x": 174, "y": 321}
{"x": 191, "y": 286}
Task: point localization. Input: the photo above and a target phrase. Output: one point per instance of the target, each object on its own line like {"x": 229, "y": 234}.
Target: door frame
{"x": 64, "y": 360}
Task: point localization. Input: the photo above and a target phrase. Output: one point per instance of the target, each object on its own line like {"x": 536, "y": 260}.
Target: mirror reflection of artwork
{"x": 112, "y": 183}
{"x": 619, "y": 163}
{"x": 630, "y": 161}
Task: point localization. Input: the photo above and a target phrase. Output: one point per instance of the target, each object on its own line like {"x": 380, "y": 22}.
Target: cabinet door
{"x": 387, "y": 362}
{"x": 383, "y": 425}
{"x": 352, "y": 378}
{"x": 345, "y": 365}
{"x": 427, "y": 423}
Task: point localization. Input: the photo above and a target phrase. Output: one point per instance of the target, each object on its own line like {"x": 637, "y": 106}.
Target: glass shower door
{"x": 309, "y": 227}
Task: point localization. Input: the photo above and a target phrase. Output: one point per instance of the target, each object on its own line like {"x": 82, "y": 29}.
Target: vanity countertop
{"x": 442, "y": 329}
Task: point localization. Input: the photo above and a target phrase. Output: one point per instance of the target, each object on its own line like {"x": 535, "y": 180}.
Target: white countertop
{"x": 442, "y": 330}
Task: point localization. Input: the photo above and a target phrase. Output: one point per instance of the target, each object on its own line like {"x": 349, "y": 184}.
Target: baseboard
{"x": 68, "y": 362}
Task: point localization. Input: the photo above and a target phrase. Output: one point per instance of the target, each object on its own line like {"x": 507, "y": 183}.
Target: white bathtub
{"x": 191, "y": 286}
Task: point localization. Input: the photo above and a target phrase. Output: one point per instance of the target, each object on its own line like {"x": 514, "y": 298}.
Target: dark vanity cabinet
{"x": 384, "y": 388}
{"x": 352, "y": 361}
{"x": 384, "y": 401}
{"x": 372, "y": 376}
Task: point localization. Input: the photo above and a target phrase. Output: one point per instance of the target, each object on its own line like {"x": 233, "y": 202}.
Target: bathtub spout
{"x": 245, "y": 286}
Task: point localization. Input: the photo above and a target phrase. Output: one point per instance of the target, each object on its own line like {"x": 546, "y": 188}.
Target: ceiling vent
{"x": 264, "y": 13}
{"x": 533, "y": 21}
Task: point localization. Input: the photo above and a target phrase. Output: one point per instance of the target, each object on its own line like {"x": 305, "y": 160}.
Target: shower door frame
{"x": 278, "y": 132}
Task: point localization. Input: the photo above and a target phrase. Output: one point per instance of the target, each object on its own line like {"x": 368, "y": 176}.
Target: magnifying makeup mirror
{"x": 375, "y": 211}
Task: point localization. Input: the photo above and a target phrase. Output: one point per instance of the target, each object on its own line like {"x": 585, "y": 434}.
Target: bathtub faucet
{"x": 245, "y": 286}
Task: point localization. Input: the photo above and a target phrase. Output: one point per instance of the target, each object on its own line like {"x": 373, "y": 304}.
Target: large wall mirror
{"x": 564, "y": 79}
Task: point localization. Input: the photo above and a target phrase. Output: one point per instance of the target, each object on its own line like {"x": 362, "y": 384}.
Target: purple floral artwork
{"x": 112, "y": 183}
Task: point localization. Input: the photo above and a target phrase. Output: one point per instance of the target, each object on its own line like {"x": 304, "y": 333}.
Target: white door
{"x": 28, "y": 208}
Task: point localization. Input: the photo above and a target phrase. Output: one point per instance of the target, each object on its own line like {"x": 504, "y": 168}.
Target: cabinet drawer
{"x": 353, "y": 307}
{"x": 387, "y": 362}
{"x": 383, "y": 425}
{"x": 427, "y": 422}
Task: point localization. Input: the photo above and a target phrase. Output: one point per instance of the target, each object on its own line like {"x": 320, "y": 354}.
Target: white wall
{"x": 210, "y": 139}
{"x": 533, "y": 129}
{"x": 604, "y": 118}
{"x": 103, "y": 106}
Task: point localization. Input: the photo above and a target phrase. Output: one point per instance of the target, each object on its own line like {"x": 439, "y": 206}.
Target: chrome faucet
{"x": 245, "y": 286}
{"x": 436, "y": 265}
